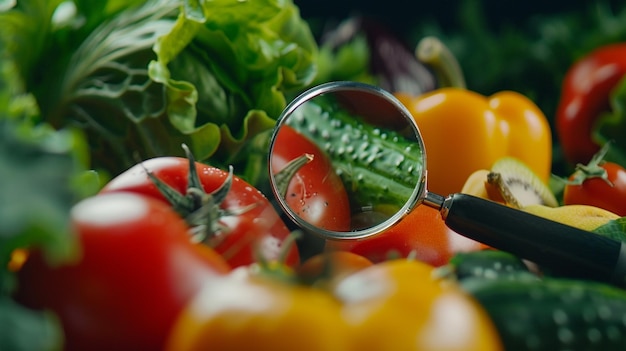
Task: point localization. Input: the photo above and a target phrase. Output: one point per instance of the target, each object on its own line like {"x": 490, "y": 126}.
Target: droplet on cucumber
{"x": 518, "y": 185}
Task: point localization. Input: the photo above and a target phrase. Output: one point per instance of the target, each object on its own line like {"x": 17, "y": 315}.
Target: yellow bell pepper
{"x": 393, "y": 305}
{"x": 464, "y": 131}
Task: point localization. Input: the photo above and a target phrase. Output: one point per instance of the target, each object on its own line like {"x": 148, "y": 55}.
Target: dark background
{"x": 525, "y": 46}
{"x": 403, "y": 15}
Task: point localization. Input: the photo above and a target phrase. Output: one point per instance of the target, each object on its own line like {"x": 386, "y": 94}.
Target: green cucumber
{"x": 378, "y": 167}
{"x": 553, "y": 314}
{"x": 486, "y": 264}
{"x": 533, "y": 313}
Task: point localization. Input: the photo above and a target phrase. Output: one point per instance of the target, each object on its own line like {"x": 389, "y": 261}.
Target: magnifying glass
{"x": 375, "y": 148}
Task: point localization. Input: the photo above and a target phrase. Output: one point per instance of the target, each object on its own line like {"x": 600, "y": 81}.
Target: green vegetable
{"x": 614, "y": 229}
{"x": 553, "y": 314}
{"x": 377, "y": 166}
{"x": 485, "y": 264}
{"x": 349, "y": 61}
{"x": 43, "y": 174}
{"x": 41, "y": 171}
{"x": 238, "y": 59}
{"x": 28, "y": 330}
{"x": 541, "y": 313}
{"x": 142, "y": 77}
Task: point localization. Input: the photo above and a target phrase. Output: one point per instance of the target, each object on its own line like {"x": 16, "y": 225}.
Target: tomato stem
{"x": 276, "y": 268}
{"x": 194, "y": 185}
{"x": 201, "y": 210}
{"x": 181, "y": 204}
{"x": 287, "y": 244}
{"x": 593, "y": 169}
{"x": 283, "y": 178}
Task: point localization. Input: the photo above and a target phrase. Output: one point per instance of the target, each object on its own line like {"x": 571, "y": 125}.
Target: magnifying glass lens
{"x": 363, "y": 145}
{"x": 374, "y": 148}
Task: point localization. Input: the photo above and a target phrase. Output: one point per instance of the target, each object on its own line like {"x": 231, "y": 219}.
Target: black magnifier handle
{"x": 561, "y": 248}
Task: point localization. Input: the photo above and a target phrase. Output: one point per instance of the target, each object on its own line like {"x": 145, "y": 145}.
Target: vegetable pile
{"x": 130, "y": 73}
{"x": 136, "y": 212}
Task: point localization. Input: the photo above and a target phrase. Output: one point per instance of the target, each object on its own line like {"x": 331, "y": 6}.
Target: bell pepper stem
{"x": 434, "y": 53}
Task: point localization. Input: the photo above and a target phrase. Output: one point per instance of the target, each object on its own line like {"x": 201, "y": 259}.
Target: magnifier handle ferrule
{"x": 436, "y": 201}
{"x": 561, "y": 248}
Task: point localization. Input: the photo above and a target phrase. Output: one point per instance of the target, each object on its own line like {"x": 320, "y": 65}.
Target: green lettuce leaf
{"x": 27, "y": 22}
{"x": 230, "y": 64}
{"x": 43, "y": 174}
{"x": 105, "y": 89}
{"x": 614, "y": 229}
{"x": 22, "y": 329}
{"x": 143, "y": 77}
{"x": 350, "y": 61}
{"x": 34, "y": 156}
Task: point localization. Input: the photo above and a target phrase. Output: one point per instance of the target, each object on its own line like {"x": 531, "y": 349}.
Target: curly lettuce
{"x": 230, "y": 64}
{"x": 143, "y": 77}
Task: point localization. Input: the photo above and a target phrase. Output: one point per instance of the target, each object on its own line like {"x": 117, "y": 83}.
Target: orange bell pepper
{"x": 464, "y": 131}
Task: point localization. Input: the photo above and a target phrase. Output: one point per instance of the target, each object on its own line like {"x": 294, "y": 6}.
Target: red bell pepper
{"x": 586, "y": 92}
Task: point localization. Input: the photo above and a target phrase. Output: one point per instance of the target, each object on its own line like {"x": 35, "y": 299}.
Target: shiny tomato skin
{"x": 136, "y": 271}
{"x": 257, "y": 229}
{"x": 597, "y": 192}
{"x": 316, "y": 193}
{"x": 422, "y": 234}
{"x": 585, "y": 95}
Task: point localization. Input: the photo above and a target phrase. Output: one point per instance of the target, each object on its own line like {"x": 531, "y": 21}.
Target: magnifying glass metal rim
{"x": 563, "y": 248}
{"x": 416, "y": 197}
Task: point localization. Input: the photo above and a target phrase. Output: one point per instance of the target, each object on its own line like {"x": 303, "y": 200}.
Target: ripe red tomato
{"x": 422, "y": 233}
{"x": 585, "y": 95}
{"x": 608, "y": 193}
{"x": 316, "y": 193}
{"x": 136, "y": 272}
{"x": 256, "y": 230}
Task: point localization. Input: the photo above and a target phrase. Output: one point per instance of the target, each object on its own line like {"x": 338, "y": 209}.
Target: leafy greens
{"x": 142, "y": 77}
{"x": 96, "y": 85}
{"x": 41, "y": 169}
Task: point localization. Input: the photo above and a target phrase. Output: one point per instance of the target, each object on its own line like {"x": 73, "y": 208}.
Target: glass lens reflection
{"x": 372, "y": 147}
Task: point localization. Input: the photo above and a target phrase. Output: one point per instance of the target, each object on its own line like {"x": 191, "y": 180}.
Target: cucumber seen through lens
{"x": 380, "y": 167}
